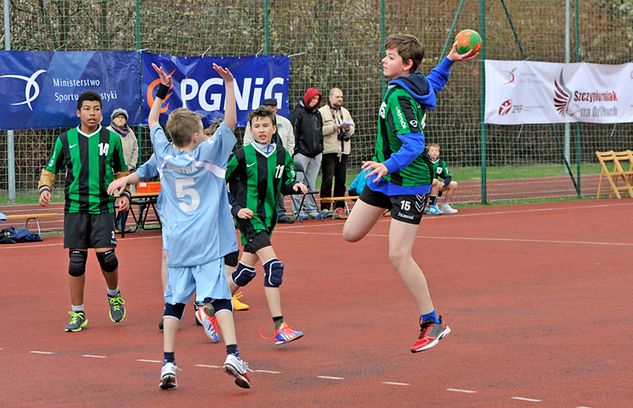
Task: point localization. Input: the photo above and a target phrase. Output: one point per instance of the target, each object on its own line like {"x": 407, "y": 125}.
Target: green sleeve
{"x": 402, "y": 112}
{"x": 446, "y": 172}
{"x": 57, "y": 158}
{"x": 289, "y": 170}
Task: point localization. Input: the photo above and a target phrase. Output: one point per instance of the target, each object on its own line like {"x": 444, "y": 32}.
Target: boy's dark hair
{"x": 262, "y": 112}
{"x": 88, "y": 96}
{"x": 409, "y": 48}
{"x": 182, "y": 125}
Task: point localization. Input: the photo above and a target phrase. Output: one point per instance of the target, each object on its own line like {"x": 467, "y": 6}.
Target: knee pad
{"x": 273, "y": 273}
{"x": 174, "y": 311}
{"x": 222, "y": 304}
{"x": 232, "y": 259}
{"x": 77, "y": 266}
{"x": 243, "y": 274}
{"x": 108, "y": 260}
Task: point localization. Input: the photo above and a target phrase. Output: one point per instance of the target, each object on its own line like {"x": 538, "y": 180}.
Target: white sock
{"x": 77, "y": 309}
{"x": 113, "y": 292}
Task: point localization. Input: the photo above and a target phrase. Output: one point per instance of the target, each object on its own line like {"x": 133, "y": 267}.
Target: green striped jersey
{"x": 256, "y": 180}
{"x": 90, "y": 162}
{"x": 440, "y": 169}
{"x": 401, "y": 114}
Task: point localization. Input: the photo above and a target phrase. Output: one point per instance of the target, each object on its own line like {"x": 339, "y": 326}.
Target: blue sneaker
{"x": 303, "y": 216}
{"x": 285, "y": 334}
{"x": 432, "y": 210}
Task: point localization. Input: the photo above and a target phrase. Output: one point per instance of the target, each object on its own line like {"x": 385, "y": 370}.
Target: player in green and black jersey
{"x": 444, "y": 188}
{"x": 399, "y": 176}
{"x": 92, "y": 157}
{"x": 256, "y": 174}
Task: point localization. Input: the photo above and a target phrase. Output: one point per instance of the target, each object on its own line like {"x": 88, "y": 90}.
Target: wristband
{"x": 162, "y": 91}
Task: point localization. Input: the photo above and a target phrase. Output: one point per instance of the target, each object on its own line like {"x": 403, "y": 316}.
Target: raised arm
{"x": 165, "y": 84}
{"x": 230, "y": 109}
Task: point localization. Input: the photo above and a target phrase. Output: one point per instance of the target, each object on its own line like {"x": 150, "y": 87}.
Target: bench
{"x": 611, "y": 168}
{"x": 33, "y": 216}
{"x": 345, "y": 199}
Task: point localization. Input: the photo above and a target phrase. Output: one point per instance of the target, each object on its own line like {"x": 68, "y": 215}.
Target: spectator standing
{"x": 338, "y": 128}
{"x": 118, "y": 124}
{"x": 286, "y": 137}
{"x": 308, "y": 129}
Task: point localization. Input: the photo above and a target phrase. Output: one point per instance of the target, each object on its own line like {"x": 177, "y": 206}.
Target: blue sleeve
{"x": 148, "y": 170}
{"x": 218, "y": 148}
{"x": 159, "y": 142}
{"x": 412, "y": 147}
{"x": 438, "y": 77}
{"x": 359, "y": 182}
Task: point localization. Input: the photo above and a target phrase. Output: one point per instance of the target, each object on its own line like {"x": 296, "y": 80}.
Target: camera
{"x": 342, "y": 135}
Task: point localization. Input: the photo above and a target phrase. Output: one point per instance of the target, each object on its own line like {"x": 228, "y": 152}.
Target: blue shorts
{"x": 207, "y": 280}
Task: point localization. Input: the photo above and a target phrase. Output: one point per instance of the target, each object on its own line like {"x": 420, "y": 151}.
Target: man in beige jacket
{"x": 338, "y": 127}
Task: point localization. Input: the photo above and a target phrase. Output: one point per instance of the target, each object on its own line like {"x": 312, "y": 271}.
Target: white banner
{"x": 521, "y": 92}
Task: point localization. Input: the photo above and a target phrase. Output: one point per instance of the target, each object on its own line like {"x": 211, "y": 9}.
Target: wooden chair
{"x": 31, "y": 217}
{"x": 620, "y": 178}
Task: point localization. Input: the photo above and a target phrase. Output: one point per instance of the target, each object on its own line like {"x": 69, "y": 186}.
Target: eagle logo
{"x": 562, "y": 95}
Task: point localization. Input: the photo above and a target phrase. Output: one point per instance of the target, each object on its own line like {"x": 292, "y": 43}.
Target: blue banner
{"x": 40, "y": 88}
{"x": 199, "y": 88}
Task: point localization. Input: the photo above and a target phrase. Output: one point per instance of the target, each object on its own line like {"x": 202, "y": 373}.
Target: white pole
{"x": 10, "y": 136}
{"x": 567, "y": 58}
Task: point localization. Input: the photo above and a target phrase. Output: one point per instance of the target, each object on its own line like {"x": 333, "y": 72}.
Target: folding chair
{"x": 616, "y": 173}
{"x": 299, "y": 169}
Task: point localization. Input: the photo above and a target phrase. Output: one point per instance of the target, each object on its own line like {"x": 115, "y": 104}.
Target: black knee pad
{"x": 77, "y": 265}
{"x": 175, "y": 311}
{"x": 273, "y": 273}
{"x": 243, "y": 274}
{"x": 108, "y": 260}
{"x": 232, "y": 259}
{"x": 222, "y": 304}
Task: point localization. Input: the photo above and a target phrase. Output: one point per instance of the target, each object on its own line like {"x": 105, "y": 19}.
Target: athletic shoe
{"x": 237, "y": 368}
{"x": 168, "y": 376}
{"x": 286, "y": 334}
{"x": 117, "y": 307}
{"x": 77, "y": 321}
{"x": 197, "y": 306}
{"x": 447, "y": 209}
{"x": 432, "y": 210}
{"x": 339, "y": 214}
{"x": 316, "y": 215}
{"x": 237, "y": 304}
{"x": 303, "y": 216}
{"x": 210, "y": 325}
{"x": 284, "y": 219}
{"x": 430, "y": 334}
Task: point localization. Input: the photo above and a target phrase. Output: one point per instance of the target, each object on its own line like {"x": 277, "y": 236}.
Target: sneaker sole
{"x": 434, "y": 343}
{"x": 279, "y": 343}
{"x": 120, "y": 320}
{"x": 240, "y": 380}
{"x": 168, "y": 382}
{"x": 80, "y": 328}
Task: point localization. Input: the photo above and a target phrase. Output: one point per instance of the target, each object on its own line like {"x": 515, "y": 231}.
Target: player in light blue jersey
{"x": 197, "y": 223}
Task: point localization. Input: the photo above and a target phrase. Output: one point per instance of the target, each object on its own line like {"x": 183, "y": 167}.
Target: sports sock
{"x": 169, "y": 358}
{"x": 278, "y": 321}
{"x": 113, "y": 292}
{"x": 432, "y": 200}
{"x": 430, "y": 317}
{"x": 77, "y": 309}
{"x": 232, "y": 349}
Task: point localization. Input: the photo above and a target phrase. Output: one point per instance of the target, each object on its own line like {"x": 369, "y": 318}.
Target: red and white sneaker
{"x": 210, "y": 324}
{"x": 286, "y": 334}
{"x": 238, "y": 368}
{"x": 430, "y": 334}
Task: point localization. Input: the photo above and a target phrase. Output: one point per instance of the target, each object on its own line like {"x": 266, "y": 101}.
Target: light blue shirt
{"x": 148, "y": 170}
{"x": 194, "y": 205}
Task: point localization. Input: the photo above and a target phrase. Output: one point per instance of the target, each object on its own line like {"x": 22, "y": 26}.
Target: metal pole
{"x": 482, "y": 74}
{"x": 566, "y": 148}
{"x": 10, "y": 135}
{"x": 266, "y": 33}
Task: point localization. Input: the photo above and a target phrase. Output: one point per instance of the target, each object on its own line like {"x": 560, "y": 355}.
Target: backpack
{"x": 21, "y": 235}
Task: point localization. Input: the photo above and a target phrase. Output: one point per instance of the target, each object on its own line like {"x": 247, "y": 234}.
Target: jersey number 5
{"x": 184, "y": 190}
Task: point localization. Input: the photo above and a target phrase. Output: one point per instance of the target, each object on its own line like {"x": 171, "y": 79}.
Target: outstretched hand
{"x": 164, "y": 78}
{"x": 454, "y": 56}
{"x": 376, "y": 168}
{"x": 225, "y": 73}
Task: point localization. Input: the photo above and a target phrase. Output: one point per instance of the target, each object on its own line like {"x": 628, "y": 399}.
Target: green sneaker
{"x": 117, "y": 308}
{"x": 77, "y": 321}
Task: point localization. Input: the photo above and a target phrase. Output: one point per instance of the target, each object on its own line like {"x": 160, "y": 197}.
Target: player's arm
{"x": 230, "y": 112}
{"x": 447, "y": 177}
{"x": 438, "y": 77}
{"x": 166, "y": 83}
{"x": 290, "y": 185}
{"x": 47, "y": 178}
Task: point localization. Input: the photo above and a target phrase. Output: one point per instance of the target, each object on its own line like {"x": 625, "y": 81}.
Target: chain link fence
{"x": 333, "y": 43}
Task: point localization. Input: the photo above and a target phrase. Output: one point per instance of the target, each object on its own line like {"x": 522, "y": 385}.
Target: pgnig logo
{"x": 31, "y": 89}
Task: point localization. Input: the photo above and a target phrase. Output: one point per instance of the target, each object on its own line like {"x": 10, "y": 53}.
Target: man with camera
{"x": 338, "y": 128}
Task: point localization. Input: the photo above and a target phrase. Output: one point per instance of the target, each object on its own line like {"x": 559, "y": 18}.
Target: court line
{"x": 327, "y": 377}
{"x": 206, "y": 366}
{"x": 267, "y": 371}
{"x": 93, "y": 356}
{"x": 461, "y": 390}
{"x": 395, "y": 383}
{"x": 142, "y": 360}
{"x": 46, "y": 353}
{"x": 526, "y": 399}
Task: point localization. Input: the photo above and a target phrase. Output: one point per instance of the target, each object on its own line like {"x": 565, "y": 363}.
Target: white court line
{"x": 461, "y": 390}
{"x": 526, "y": 399}
{"x": 93, "y": 356}
{"x": 395, "y": 383}
{"x": 206, "y": 366}
{"x": 141, "y": 360}
{"x": 267, "y": 371}
{"x": 582, "y": 406}
{"x": 47, "y": 353}
{"x": 327, "y": 377}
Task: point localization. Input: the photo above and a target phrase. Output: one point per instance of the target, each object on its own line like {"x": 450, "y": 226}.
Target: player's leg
{"x": 244, "y": 273}
{"x": 432, "y": 207}
{"x": 448, "y": 192}
{"x": 76, "y": 240}
{"x": 231, "y": 261}
{"x": 367, "y": 210}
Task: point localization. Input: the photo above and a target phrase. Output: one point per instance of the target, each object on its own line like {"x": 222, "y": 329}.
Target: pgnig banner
{"x": 199, "y": 88}
{"x": 521, "y": 92}
{"x": 40, "y": 88}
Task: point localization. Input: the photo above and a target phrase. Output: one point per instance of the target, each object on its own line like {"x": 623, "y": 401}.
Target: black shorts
{"x": 405, "y": 208}
{"x": 253, "y": 239}
{"x": 83, "y": 231}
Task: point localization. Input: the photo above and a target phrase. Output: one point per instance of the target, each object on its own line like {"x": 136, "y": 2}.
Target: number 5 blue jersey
{"x": 195, "y": 210}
